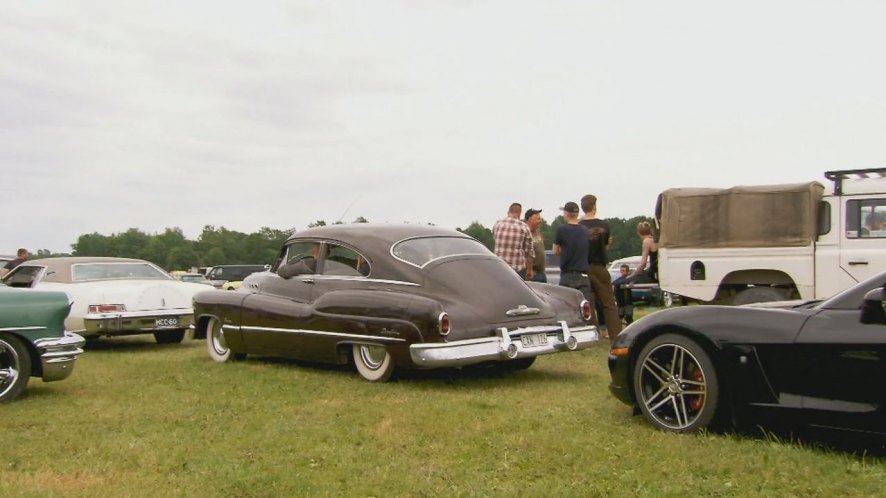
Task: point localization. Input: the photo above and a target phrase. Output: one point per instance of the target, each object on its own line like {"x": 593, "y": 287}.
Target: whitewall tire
{"x": 374, "y": 363}
{"x": 216, "y": 344}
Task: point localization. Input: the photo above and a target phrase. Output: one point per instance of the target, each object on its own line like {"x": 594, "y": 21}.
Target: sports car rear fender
{"x": 738, "y": 368}
{"x": 649, "y": 334}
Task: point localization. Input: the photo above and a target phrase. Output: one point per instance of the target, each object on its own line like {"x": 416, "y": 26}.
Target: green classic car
{"x": 33, "y": 339}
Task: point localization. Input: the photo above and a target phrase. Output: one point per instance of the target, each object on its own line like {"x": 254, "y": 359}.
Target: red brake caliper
{"x": 697, "y": 401}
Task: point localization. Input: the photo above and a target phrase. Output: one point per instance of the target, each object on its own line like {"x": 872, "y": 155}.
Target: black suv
{"x": 221, "y": 274}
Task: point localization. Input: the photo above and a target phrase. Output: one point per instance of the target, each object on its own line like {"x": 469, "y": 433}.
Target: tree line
{"x": 218, "y": 245}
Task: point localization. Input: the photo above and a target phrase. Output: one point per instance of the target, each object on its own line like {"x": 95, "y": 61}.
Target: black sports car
{"x": 814, "y": 363}
{"x": 392, "y": 295}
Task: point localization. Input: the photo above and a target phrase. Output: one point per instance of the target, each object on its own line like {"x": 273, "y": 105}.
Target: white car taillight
{"x": 443, "y": 323}
{"x": 106, "y": 308}
{"x": 586, "y": 310}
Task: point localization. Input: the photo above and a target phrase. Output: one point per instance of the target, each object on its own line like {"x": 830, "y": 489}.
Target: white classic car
{"x": 114, "y": 296}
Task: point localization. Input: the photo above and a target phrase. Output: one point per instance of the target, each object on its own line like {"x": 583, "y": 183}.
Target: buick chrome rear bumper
{"x": 508, "y": 345}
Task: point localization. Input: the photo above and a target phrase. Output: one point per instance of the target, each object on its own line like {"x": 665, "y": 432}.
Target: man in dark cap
{"x": 571, "y": 244}
{"x": 534, "y": 220}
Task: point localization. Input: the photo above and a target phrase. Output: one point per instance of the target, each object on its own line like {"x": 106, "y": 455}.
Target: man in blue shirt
{"x": 571, "y": 244}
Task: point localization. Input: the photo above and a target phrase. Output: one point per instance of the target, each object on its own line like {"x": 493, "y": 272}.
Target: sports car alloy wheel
{"x": 216, "y": 344}
{"x": 373, "y": 362}
{"x": 675, "y": 384}
{"x": 15, "y": 367}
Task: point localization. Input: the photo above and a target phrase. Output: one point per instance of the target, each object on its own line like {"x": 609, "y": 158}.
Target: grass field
{"x": 139, "y": 419}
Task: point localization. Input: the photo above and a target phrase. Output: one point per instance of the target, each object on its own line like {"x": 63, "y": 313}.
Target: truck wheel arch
{"x": 756, "y": 285}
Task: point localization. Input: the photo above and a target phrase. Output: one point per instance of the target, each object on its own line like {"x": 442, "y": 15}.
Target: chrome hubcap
{"x": 373, "y": 356}
{"x": 8, "y": 367}
{"x": 218, "y": 340}
{"x": 674, "y": 386}
{"x": 7, "y": 375}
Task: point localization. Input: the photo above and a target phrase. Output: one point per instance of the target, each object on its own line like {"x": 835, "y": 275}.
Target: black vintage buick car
{"x": 391, "y": 296}
{"x": 816, "y": 363}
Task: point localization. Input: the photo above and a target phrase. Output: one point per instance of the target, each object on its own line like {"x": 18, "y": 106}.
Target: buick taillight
{"x": 586, "y": 310}
{"x": 443, "y": 323}
{"x": 106, "y": 308}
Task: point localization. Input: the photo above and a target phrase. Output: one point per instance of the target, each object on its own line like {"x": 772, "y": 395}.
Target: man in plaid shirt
{"x": 513, "y": 242}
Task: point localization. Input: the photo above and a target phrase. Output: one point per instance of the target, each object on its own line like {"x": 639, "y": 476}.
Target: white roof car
{"x": 114, "y": 296}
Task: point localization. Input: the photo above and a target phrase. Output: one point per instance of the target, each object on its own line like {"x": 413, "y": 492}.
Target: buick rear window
{"x": 113, "y": 271}
{"x": 422, "y": 251}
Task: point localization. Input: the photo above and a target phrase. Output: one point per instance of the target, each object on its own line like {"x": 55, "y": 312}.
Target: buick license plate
{"x": 171, "y": 321}
{"x": 533, "y": 340}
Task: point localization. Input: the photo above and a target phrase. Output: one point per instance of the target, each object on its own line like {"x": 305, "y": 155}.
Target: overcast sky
{"x": 119, "y": 114}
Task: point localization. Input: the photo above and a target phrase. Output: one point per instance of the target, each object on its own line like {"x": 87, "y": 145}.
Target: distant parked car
{"x": 552, "y": 270}
{"x": 114, "y": 296}
{"x": 654, "y": 297}
{"x": 219, "y": 275}
{"x": 392, "y": 296}
{"x": 196, "y": 278}
{"x": 632, "y": 262}
{"x": 33, "y": 340}
{"x": 552, "y": 267}
{"x": 819, "y": 363}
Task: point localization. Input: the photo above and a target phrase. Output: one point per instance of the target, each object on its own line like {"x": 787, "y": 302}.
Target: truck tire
{"x": 758, "y": 295}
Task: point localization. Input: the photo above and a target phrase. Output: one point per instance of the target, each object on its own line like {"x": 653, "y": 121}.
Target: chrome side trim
{"x": 394, "y": 282}
{"x": 457, "y": 255}
{"x": 13, "y": 329}
{"x": 391, "y": 250}
{"x": 314, "y": 332}
{"x": 319, "y": 277}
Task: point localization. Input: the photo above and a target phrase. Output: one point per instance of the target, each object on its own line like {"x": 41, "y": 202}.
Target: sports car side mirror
{"x": 873, "y": 311}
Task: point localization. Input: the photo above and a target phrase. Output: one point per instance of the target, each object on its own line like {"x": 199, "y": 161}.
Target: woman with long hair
{"x": 646, "y": 271}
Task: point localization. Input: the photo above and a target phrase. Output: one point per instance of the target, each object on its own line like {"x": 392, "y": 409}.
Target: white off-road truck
{"x": 762, "y": 243}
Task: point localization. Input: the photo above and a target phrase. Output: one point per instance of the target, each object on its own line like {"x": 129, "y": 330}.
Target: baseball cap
{"x": 530, "y": 212}
{"x": 570, "y": 207}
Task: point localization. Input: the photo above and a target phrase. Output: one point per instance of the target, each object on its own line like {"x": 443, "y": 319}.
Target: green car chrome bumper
{"x": 57, "y": 355}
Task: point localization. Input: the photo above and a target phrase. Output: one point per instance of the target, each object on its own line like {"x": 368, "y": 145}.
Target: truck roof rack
{"x": 852, "y": 174}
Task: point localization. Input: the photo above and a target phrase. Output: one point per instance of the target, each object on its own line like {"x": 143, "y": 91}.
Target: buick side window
{"x": 345, "y": 261}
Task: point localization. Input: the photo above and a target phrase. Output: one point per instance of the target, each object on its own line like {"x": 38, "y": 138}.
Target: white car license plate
{"x": 532, "y": 340}
{"x": 167, "y": 322}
